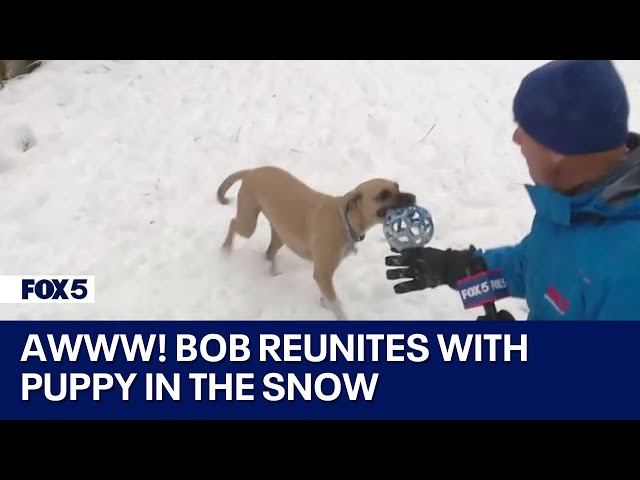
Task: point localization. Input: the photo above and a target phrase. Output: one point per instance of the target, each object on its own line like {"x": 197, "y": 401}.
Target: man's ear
{"x": 352, "y": 199}
{"x": 557, "y": 158}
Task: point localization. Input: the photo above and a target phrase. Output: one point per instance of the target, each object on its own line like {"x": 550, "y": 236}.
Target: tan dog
{"x": 315, "y": 226}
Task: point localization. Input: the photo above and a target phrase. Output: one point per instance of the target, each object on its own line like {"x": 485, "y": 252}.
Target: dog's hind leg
{"x": 270, "y": 254}
{"x": 228, "y": 242}
{"x": 245, "y": 221}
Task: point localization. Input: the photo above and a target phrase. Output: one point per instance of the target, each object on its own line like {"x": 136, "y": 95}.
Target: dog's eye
{"x": 384, "y": 195}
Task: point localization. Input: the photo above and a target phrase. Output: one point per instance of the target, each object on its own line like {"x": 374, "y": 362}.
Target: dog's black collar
{"x": 353, "y": 235}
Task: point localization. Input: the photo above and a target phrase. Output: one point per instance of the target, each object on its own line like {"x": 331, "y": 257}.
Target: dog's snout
{"x": 406, "y": 198}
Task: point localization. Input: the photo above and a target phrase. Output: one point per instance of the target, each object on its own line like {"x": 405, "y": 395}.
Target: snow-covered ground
{"x": 110, "y": 168}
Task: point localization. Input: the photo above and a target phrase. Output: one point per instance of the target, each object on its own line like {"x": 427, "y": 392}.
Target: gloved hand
{"x": 428, "y": 267}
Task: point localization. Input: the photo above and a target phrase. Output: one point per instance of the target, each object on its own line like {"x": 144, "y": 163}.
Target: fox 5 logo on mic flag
{"x": 482, "y": 288}
{"x": 47, "y": 289}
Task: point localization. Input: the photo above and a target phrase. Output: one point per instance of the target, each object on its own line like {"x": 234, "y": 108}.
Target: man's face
{"x": 542, "y": 162}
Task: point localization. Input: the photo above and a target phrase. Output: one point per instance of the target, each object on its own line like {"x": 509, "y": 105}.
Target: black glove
{"x": 428, "y": 267}
{"x": 502, "y": 315}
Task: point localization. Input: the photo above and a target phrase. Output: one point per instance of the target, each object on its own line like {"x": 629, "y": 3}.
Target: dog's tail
{"x": 227, "y": 183}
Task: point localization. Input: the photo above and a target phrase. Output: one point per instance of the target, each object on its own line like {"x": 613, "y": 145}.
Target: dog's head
{"x": 372, "y": 199}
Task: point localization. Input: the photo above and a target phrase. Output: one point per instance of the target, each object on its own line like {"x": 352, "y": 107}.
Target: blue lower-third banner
{"x": 355, "y": 370}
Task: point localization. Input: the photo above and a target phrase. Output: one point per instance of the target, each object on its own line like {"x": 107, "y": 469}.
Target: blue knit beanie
{"x": 574, "y": 106}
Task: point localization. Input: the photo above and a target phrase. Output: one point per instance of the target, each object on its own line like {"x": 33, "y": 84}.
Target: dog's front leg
{"x": 323, "y": 275}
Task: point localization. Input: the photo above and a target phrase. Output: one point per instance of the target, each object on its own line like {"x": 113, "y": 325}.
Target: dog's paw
{"x": 273, "y": 270}
{"x": 324, "y": 303}
{"x": 225, "y": 249}
{"x": 333, "y": 307}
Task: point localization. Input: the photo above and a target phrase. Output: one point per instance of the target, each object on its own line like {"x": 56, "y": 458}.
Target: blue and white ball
{"x": 407, "y": 227}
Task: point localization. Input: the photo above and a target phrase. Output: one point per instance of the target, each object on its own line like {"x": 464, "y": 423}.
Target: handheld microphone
{"x": 483, "y": 288}
{"x": 406, "y": 227}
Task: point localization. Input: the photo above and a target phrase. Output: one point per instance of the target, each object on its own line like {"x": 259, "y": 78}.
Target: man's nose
{"x": 517, "y": 134}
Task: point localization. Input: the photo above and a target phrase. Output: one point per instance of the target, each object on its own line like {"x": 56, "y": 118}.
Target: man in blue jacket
{"x": 581, "y": 259}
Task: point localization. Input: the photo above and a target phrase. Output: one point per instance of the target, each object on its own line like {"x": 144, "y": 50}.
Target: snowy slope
{"x": 110, "y": 168}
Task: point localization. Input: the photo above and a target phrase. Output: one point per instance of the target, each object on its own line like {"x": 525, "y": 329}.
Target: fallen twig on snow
{"x": 430, "y": 130}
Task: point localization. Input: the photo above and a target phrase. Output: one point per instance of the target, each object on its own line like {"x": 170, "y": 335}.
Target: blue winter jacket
{"x": 581, "y": 259}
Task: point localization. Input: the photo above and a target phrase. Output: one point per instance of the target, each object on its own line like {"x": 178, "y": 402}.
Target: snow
{"x": 110, "y": 168}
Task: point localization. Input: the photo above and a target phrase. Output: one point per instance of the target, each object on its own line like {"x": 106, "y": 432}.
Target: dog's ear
{"x": 352, "y": 200}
